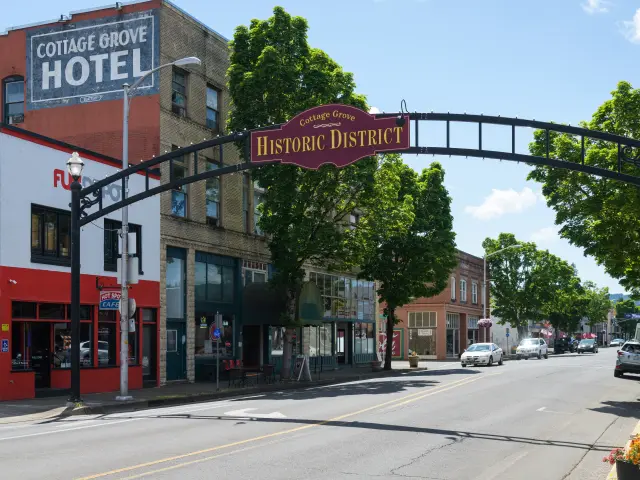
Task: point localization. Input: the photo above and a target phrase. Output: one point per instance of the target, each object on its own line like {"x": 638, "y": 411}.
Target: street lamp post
{"x": 484, "y": 279}
{"x": 124, "y": 296}
{"x": 75, "y": 166}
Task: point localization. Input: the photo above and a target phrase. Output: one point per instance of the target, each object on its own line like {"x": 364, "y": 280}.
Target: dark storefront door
{"x": 251, "y": 345}
{"x": 176, "y": 351}
{"x": 41, "y": 353}
{"x": 149, "y": 363}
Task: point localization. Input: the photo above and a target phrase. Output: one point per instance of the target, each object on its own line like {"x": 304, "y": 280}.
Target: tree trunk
{"x": 388, "y": 356}
{"x": 522, "y": 332}
{"x": 294, "y": 315}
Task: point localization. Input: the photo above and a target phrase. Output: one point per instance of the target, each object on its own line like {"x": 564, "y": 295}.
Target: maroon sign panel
{"x": 395, "y": 346}
{"x": 337, "y": 134}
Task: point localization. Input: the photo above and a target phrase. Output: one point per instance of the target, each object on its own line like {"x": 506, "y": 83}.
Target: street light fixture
{"x": 484, "y": 281}
{"x": 75, "y": 166}
{"x": 124, "y": 295}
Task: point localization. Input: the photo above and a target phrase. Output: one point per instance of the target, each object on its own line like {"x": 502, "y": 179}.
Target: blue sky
{"x": 551, "y": 60}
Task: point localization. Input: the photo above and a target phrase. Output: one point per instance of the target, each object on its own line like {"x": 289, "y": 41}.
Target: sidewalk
{"x": 182, "y": 393}
{"x": 613, "y": 474}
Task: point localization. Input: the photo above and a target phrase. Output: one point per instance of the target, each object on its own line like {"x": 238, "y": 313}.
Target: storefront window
{"x": 107, "y": 338}
{"x": 24, "y": 310}
{"x": 422, "y": 333}
{"x": 215, "y": 279}
{"x": 52, "y": 311}
{"x": 345, "y": 297}
{"x": 21, "y": 346}
{"x": 204, "y": 346}
{"x": 364, "y": 341}
{"x": 277, "y": 340}
{"x": 472, "y": 329}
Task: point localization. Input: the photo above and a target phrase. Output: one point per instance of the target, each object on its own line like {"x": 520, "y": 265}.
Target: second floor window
{"x": 112, "y": 244}
{"x": 179, "y": 194}
{"x": 257, "y": 201}
{"x": 474, "y": 292}
{"x": 179, "y": 92}
{"x": 453, "y": 288}
{"x": 463, "y": 290}
{"x": 212, "y": 192}
{"x": 13, "y": 100}
{"x": 354, "y": 219}
{"x": 246, "y": 189}
{"x": 50, "y": 236}
{"x": 213, "y": 111}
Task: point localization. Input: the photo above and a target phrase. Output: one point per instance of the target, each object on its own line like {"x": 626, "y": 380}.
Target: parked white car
{"x": 628, "y": 360}
{"x": 481, "y": 354}
{"x": 532, "y": 347}
{"x": 617, "y": 342}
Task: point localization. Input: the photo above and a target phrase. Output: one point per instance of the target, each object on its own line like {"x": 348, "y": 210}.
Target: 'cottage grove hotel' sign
{"x": 90, "y": 61}
{"x": 337, "y": 134}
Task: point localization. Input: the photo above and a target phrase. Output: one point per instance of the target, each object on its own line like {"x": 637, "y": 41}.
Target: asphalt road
{"x": 535, "y": 419}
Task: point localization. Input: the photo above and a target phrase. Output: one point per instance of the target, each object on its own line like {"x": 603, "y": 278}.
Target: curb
{"x": 136, "y": 405}
{"x": 613, "y": 475}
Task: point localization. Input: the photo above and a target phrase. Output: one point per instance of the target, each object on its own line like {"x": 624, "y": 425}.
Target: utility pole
{"x": 124, "y": 280}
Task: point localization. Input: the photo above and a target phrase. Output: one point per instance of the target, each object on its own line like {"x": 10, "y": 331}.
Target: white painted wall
{"x": 27, "y": 175}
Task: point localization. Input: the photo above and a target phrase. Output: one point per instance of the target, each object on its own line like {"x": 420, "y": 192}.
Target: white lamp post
{"x": 124, "y": 297}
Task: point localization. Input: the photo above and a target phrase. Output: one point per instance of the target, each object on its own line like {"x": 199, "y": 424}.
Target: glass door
{"x": 453, "y": 342}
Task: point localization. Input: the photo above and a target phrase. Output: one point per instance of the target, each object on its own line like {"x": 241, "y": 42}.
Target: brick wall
{"x": 181, "y": 36}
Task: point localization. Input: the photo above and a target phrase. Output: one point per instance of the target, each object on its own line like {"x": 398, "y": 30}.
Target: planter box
{"x": 413, "y": 362}
{"x": 627, "y": 471}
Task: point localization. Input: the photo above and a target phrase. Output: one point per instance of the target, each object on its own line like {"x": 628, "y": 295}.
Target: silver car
{"x": 628, "y": 360}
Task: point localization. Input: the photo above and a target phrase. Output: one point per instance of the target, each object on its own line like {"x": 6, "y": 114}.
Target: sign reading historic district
{"x": 90, "y": 61}
{"x": 336, "y": 134}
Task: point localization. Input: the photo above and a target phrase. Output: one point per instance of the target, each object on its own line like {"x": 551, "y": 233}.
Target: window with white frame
{"x": 472, "y": 322}
{"x": 422, "y": 320}
{"x": 463, "y": 290}
{"x": 474, "y": 293}
{"x": 254, "y": 272}
{"x": 453, "y": 288}
{"x": 453, "y": 320}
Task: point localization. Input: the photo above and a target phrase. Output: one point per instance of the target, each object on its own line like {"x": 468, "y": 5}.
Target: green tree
{"x": 512, "y": 282}
{"x": 624, "y": 307}
{"x": 601, "y": 216}
{"x": 274, "y": 74}
{"x": 408, "y": 244}
{"x": 598, "y": 303}
{"x": 567, "y": 303}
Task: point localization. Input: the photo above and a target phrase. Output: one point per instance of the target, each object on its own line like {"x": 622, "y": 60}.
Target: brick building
{"x": 442, "y": 327}
{"x": 64, "y": 78}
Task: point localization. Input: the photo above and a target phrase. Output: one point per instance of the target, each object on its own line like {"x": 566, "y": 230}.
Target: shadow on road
{"x": 386, "y": 386}
{"x": 458, "y": 435}
{"x": 621, "y": 409}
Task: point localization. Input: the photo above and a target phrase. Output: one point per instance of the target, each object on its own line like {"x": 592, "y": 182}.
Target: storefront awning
{"x": 264, "y": 304}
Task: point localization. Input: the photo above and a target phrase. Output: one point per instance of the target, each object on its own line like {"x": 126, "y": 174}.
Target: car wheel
{"x": 546, "y": 355}
{"x": 490, "y": 362}
{"x": 463, "y": 365}
{"x": 617, "y": 373}
{"x": 500, "y": 361}
{"x": 526, "y": 358}
{"x": 518, "y": 357}
{"x": 539, "y": 355}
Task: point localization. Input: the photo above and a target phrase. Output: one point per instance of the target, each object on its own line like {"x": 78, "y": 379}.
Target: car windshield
{"x": 478, "y": 348}
{"x": 529, "y": 341}
{"x": 586, "y": 342}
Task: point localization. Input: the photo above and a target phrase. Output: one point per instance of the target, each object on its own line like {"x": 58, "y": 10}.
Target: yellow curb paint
{"x": 419, "y": 395}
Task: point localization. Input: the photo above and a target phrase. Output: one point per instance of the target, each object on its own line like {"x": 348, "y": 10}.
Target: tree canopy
{"x": 599, "y": 215}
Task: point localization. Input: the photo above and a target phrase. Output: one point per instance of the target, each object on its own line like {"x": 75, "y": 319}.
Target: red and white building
{"x": 35, "y": 279}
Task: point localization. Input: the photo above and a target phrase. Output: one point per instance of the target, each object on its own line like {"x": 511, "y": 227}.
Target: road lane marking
{"x": 542, "y": 409}
{"x": 49, "y": 432}
{"x": 419, "y": 395}
{"x": 244, "y": 414}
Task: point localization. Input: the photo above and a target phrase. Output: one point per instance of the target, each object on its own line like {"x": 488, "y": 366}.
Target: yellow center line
{"x": 412, "y": 397}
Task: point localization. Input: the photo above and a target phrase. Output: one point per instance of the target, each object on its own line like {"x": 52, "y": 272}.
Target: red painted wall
{"x": 49, "y": 286}
{"x": 95, "y": 126}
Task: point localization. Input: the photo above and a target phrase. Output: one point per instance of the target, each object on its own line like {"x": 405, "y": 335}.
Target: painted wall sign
{"x": 5, "y": 327}
{"x": 336, "y": 134}
{"x": 89, "y": 61}
{"x": 110, "y": 299}
{"x": 5, "y": 345}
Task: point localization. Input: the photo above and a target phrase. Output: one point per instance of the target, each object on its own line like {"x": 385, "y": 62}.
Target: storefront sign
{"x": 5, "y": 345}
{"x": 395, "y": 346}
{"x": 425, "y": 332}
{"x": 5, "y": 327}
{"x": 336, "y": 134}
{"x": 89, "y": 61}
{"x": 110, "y": 300}
{"x": 203, "y": 322}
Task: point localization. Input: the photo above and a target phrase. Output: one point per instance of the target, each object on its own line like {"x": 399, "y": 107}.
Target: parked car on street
{"x": 561, "y": 345}
{"x": 588, "y": 345}
{"x": 481, "y": 354}
{"x": 628, "y": 360}
{"x": 617, "y": 342}
{"x": 532, "y": 347}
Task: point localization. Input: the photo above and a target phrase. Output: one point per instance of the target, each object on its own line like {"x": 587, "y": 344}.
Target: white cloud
{"x": 631, "y": 29}
{"x": 374, "y": 110}
{"x": 596, "y": 6}
{"x": 545, "y": 235}
{"x": 501, "y": 202}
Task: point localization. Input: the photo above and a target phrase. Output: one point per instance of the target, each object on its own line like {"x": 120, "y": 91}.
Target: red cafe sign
{"x": 337, "y": 134}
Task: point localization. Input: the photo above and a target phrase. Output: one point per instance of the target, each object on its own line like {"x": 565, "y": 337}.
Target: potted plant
{"x": 627, "y": 461}
{"x": 413, "y": 359}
